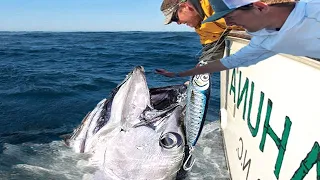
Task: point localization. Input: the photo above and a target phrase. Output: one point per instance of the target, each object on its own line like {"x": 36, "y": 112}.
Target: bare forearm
{"x": 211, "y": 67}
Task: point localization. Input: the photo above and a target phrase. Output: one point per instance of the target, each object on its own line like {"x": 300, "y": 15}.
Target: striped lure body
{"x": 196, "y": 108}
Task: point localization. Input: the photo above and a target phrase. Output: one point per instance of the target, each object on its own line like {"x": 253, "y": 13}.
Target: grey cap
{"x": 168, "y": 8}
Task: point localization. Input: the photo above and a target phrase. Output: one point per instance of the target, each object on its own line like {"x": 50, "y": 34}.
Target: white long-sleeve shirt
{"x": 299, "y": 35}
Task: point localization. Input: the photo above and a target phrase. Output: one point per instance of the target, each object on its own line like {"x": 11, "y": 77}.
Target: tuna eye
{"x": 167, "y": 142}
{"x": 170, "y": 140}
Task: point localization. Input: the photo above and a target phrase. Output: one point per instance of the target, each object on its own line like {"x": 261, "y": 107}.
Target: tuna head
{"x": 108, "y": 113}
{"x": 136, "y": 133}
{"x": 155, "y": 148}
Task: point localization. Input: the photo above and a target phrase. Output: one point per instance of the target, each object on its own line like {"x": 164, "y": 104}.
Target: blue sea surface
{"x": 50, "y": 80}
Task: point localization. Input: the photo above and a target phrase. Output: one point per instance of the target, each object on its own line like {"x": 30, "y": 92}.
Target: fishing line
{"x": 217, "y": 45}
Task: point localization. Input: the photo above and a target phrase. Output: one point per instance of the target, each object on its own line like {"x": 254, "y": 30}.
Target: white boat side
{"x": 270, "y": 117}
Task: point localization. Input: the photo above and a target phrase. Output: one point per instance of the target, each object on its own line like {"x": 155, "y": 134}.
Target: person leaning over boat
{"x": 291, "y": 28}
{"x": 192, "y": 13}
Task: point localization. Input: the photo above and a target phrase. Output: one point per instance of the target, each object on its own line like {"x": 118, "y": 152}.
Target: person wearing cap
{"x": 192, "y": 13}
{"x": 290, "y": 27}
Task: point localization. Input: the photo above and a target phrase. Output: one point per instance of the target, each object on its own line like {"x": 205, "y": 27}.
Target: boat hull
{"x": 270, "y": 117}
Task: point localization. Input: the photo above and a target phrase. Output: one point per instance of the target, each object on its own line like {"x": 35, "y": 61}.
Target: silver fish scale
{"x": 194, "y": 114}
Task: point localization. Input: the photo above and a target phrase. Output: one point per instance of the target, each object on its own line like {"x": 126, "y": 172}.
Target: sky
{"x": 84, "y": 15}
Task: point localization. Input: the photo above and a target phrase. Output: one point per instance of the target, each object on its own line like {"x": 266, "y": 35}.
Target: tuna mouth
{"x": 140, "y": 68}
{"x": 164, "y": 97}
{"x": 170, "y": 140}
{"x": 129, "y": 75}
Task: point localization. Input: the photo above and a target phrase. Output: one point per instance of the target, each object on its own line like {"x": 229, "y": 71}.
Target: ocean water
{"x": 49, "y": 81}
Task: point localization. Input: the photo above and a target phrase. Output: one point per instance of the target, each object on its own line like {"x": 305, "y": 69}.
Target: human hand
{"x": 166, "y": 73}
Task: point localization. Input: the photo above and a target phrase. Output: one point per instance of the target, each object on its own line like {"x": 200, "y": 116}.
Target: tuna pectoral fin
{"x": 147, "y": 122}
{"x": 170, "y": 140}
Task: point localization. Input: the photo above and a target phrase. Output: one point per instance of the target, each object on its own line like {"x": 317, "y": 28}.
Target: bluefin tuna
{"x": 135, "y": 133}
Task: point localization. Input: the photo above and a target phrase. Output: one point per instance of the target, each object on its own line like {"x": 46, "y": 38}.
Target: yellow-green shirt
{"x": 210, "y": 32}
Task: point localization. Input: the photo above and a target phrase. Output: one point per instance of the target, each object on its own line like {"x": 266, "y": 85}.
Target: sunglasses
{"x": 175, "y": 17}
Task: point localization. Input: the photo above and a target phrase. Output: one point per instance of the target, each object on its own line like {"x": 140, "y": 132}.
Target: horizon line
{"x": 92, "y": 31}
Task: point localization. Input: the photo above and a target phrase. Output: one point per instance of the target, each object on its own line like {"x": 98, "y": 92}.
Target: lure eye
{"x": 204, "y": 77}
{"x": 201, "y": 80}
